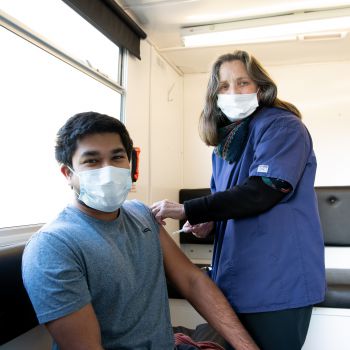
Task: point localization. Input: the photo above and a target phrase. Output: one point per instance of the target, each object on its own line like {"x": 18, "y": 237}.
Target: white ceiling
{"x": 163, "y": 19}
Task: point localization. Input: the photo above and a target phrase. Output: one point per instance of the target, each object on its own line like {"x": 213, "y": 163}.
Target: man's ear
{"x": 67, "y": 173}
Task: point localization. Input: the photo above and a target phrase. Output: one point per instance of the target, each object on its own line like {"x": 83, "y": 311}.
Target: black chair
{"x": 334, "y": 209}
{"x": 17, "y": 315}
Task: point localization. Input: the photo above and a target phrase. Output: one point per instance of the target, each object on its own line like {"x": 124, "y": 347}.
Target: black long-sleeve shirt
{"x": 249, "y": 199}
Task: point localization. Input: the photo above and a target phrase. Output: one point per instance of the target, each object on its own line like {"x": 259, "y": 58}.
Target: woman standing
{"x": 268, "y": 253}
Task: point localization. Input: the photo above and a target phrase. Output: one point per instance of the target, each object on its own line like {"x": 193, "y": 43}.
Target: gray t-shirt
{"x": 116, "y": 266}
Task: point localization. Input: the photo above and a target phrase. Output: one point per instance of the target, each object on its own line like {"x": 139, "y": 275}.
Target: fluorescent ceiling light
{"x": 279, "y": 28}
{"x": 261, "y": 11}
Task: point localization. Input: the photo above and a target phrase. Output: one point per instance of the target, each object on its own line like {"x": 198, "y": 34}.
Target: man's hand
{"x": 166, "y": 209}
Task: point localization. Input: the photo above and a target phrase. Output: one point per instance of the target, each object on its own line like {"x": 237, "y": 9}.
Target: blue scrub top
{"x": 275, "y": 260}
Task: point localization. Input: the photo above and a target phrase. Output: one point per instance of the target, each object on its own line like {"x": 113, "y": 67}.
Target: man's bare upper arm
{"x": 178, "y": 268}
{"x": 77, "y": 331}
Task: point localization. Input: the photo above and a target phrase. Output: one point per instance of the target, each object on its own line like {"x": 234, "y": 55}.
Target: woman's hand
{"x": 165, "y": 209}
{"x": 199, "y": 230}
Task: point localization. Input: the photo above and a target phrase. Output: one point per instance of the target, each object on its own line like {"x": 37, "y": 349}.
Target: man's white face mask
{"x": 237, "y": 106}
{"x": 104, "y": 189}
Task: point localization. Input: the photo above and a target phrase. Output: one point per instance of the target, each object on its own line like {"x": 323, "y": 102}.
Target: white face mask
{"x": 104, "y": 189}
{"x": 237, "y": 106}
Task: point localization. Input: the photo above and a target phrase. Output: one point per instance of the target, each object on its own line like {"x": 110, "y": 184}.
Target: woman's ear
{"x": 259, "y": 93}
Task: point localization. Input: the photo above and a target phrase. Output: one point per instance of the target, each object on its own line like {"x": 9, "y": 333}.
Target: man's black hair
{"x": 87, "y": 123}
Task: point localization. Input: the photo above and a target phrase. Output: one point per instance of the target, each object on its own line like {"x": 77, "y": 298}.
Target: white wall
{"x": 319, "y": 90}
{"x": 137, "y": 116}
{"x": 197, "y": 156}
{"x": 154, "y": 118}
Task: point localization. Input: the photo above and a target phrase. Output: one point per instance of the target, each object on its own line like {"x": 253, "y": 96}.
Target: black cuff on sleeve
{"x": 249, "y": 199}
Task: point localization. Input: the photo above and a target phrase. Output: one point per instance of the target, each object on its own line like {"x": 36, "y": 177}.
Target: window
{"x": 58, "y": 24}
{"x": 39, "y": 91}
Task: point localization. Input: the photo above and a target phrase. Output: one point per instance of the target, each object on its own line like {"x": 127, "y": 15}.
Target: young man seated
{"x": 95, "y": 275}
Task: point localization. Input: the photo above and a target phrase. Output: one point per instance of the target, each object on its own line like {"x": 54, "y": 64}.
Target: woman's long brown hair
{"x": 267, "y": 94}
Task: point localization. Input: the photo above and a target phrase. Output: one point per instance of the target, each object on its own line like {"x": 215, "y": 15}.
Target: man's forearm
{"x": 208, "y": 300}
{"x": 203, "y": 294}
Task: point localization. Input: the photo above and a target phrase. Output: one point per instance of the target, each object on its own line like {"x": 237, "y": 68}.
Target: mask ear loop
{"x": 73, "y": 172}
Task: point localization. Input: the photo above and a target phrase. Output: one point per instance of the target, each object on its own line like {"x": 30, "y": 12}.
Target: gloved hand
{"x": 166, "y": 209}
{"x": 200, "y": 230}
